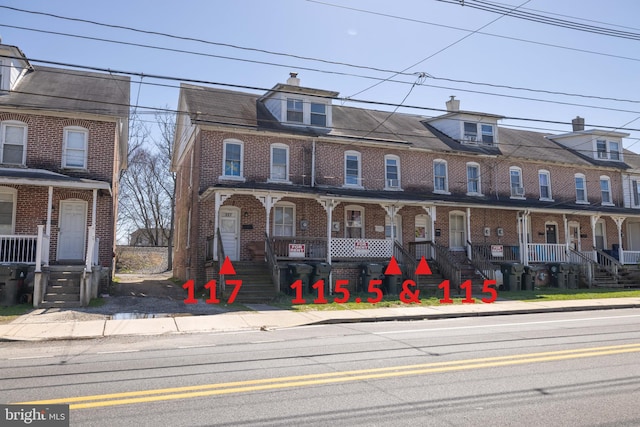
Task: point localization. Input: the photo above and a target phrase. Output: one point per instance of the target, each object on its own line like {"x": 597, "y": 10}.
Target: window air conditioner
{"x": 518, "y": 191}
{"x": 393, "y": 183}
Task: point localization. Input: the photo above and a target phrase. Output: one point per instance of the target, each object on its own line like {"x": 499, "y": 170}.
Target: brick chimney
{"x": 293, "y": 79}
{"x": 453, "y": 104}
{"x": 578, "y": 124}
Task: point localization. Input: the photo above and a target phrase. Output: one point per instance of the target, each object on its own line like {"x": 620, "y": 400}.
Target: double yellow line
{"x": 188, "y": 392}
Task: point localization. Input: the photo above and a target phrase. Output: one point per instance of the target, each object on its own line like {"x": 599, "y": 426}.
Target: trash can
{"x": 573, "y": 275}
{"x": 393, "y": 282}
{"x": 8, "y": 285}
{"x": 527, "y": 278}
{"x": 559, "y": 272}
{"x": 511, "y": 276}
{"x": 321, "y": 271}
{"x": 369, "y": 272}
{"x": 298, "y": 271}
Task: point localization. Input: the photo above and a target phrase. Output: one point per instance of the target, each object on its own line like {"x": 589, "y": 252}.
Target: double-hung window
{"x": 440, "y": 180}
{"x": 284, "y": 219}
{"x": 279, "y": 162}
{"x": 233, "y": 159}
{"x": 636, "y": 193}
{"x": 545, "y": 185}
{"x": 75, "y": 148}
{"x": 13, "y": 137}
{"x": 7, "y": 210}
{"x": 470, "y": 132}
{"x": 581, "y": 188}
{"x": 605, "y": 190}
{"x": 515, "y": 180}
{"x": 487, "y": 134}
{"x": 614, "y": 150}
{"x": 352, "y": 168}
{"x": 295, "y": 110}
{"x": 318, "y": 114}
{"x": 354, "y": 222}
{"x": 473, "y": 178}
{"x": 392, "y": 172}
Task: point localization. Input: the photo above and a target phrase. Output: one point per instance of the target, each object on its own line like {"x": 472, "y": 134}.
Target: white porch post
{"x": 566, "y": 231}
{"x": 431, "y": 211}
{"x": 619, "y": 220}
{"x": 48, "y": 226}
{"x": 594, "y": 219}
{"x": 468, "y": 233}
{"x": 525, "y": 237}
{"x": 94, "y": 207}
{"x": 268, "y": 202}
{"x": 328, "y": 205}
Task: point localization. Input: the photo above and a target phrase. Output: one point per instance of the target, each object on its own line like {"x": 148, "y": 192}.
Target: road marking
{"x": 30, "y": 357}
{"x": 265, "y": 341}
{"x": 187, "y": 392}
{"x": 116, "y": 351}
{"x": 493, "y": 325}
{"x": 196, "y": 346}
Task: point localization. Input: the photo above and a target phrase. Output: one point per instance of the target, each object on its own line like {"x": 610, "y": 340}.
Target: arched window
{"x": 581, "y": 188}
{"x": 473, "y": 179}
{"x": 515, "y": 181}
{"x": 233, "y": 159}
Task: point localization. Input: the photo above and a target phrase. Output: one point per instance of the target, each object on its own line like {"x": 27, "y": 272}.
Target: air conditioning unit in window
{"x": 602, "y": 155}
{"x": 518, "y": 191}
{"x": 393, "y": 183}
{"x": 472, "y": 139}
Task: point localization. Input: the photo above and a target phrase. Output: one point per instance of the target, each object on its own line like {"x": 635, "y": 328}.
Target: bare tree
{"x": 147, "y": 187}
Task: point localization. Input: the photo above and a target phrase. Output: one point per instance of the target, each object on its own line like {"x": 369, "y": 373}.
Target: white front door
{"x": 71, "y": 232}
{"x": 633, "y": 233}
{"x": 574, "y": 236}
{"x": 230, "y": 231}
{"x": 457, "y": 233}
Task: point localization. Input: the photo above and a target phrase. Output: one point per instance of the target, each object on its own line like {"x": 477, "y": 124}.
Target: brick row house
{"x": 63, "y": 136}
{"x": 287, "y": 176}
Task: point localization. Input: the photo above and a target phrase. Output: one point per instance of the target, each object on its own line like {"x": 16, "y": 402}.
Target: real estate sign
{"x": 296, "y": 250}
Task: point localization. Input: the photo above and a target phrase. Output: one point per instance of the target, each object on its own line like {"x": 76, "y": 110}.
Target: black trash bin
{"x": 393, "y": 282}
{"x": 321, "y": 271}
{"x": 559, "y": 274}
{"x": 299, "y": 271}
{"x": 8, "y": 285}
{"x": 527, "y": 278}
{"x": 573, "y": 274}
{"x": 369, "y": 272}
{"x": 511, "y": 276}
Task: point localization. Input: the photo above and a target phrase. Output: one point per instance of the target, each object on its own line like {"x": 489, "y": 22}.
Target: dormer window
{"x": 479, "y": 132}
{"x": 318, "y": 114}
{"x": 607, "y": 150}
{"x": 295, "y": 110}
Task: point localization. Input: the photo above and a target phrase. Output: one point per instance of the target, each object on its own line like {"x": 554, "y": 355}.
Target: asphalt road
{"x": 561, "y": 369}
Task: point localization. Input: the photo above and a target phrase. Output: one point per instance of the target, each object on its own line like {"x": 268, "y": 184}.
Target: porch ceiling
{"x": 45, "y": 178}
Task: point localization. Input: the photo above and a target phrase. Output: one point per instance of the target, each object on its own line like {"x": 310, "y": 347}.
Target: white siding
{"x": 275, "y": 106}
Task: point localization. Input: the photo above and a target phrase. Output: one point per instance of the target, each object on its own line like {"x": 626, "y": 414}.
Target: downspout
{"x": 313, "y": 162}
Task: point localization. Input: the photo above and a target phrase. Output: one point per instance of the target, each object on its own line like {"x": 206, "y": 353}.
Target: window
{"x": 284, "y": 219}
{"x": 318, "y": 114}
{"x": 605, "y": 190}
{"x": 352, "y": 170}
{"x": 233, "y": 158}
{"x": 487, "y": 134}
{"x": 473, "y": 178}
{"x": 397, "y": 228}
{"x": 614, "y": 150}
{"x": 545, "y": 185}
{"x": 279, "y": 162}
{"x": 75, "y": 148}
{"x": 391, "y": 172}
{"x": 601, "y": 148}
{"x": 515, "y": 180}
{"x": 2, "y": 73}
{"x": 7, "y": 210}
{"x": 14, "y": 142}
{"x": 581, "y": 189}
{"x": 354, "y": 222}
{"x": 636, "y": 193}
{"x": 470, "y": 132}
{"x": 295, "y": 110}
{"x": 440, "y": 183}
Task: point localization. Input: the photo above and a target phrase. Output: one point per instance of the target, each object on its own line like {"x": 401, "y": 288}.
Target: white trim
{"x": 273, "y": 220}
{"x": 358, "y": 156}
{"x": 13, "y": 193}
{"x": 464, "y": 229}
{"x": 387, "y": 180}
{"x": 446, "y": 176}
{"x": 85, "y": 205}
{"x": 346, "y": 222}
{"x": 224, "y": 176}
{"x": 85, "y": 148}
{"x": 13, "y": 123}
{"x": 548, "y": 175}
{"x": 555, "y": 224}
{"x": 584, "y": 184}
{"x": 281, "y": 147}
{"x": 608, "y": 181}
{"x": 476, "y": 166}
{"x": 520, "y": 187}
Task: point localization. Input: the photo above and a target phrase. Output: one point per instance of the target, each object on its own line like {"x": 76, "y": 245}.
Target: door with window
{"x": 71, "y": 232}
{"x": 600, "y": 236}
{"x": 457, "y": 233}
{"x": 230, "y": 231}
{"x": 551, "y": 233}
{"x": 574, "y": 236}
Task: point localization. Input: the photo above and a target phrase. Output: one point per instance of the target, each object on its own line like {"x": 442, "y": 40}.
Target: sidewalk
{"x": 31, "y": 327}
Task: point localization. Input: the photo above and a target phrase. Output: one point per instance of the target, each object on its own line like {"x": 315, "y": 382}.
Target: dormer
{"x": 297, "y": 106}
{"x": 13, "y": 65}
{"x": 596, "y": 144}
{"x": 467, "y": 127}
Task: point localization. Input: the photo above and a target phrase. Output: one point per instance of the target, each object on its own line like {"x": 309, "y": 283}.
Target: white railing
{"x": 547, "y": 252}
{"x": 18, "y": 249}
{"x": 361, "y": 248}
{"x": 630, "y": 257}
{"x": 91, "y": 243}
{"x": 96, "y": 252}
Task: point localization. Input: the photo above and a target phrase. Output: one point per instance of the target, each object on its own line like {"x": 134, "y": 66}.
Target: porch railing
{"x": 221, "y": 257}
{"x": 510, "y": 253}
{"x": 421, "y": 249}
{"x": 448, "y": 268}
{"x": 406, "y": 260}
{"x": 547, "y": 252}
{"x": 315, "y": 248}
{"x": 586, "y": 263}
{"x": 272, "y": 261}
{"x": 482, "y": 263}
{"x": 361, "y": 248}
{"x": 630, "y": 257}
{"x": 18, "y": 249}
{"x": 608, "y": 263}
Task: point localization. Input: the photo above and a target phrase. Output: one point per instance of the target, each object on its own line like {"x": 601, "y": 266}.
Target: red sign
{"x": 296, "y": 250}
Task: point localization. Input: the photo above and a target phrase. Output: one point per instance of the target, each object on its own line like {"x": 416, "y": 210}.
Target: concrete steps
{"x": 63, "y": 287}
{"x": 257, "y": 286}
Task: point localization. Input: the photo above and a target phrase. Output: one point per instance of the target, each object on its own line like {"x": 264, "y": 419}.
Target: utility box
{"x": 370, "y": 272}
{"x": 511, "y": 276}
{"x": 299, "y": 271}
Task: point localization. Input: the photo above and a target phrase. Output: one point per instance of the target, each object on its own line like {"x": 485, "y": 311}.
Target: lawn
{"x": 7, "y": 314}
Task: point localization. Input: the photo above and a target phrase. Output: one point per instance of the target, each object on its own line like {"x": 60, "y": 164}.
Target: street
{"x": 575, "y": 368}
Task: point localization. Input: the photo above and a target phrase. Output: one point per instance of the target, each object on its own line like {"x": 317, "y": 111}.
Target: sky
{"x": 357, "y": 47}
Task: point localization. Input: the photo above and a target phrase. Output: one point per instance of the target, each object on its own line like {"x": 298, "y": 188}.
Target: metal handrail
{"x": 608, "y": 263}
{"x": 222, "y": 284}
{"x": 587, "y": 265}
{"x": 404, "y": 257}
{"x": 272, "y": 261}
{"x": 483, "y": 265}
{"x": 448, "y": 268}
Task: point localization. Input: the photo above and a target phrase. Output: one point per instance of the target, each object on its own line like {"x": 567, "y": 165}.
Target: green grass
{"x": 555, "y": 294}
{"x": 7, "y": 314}
{"x": 97, "y": 302}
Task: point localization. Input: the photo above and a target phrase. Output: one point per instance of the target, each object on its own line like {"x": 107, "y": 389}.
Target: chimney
{"x": 293, "y": 79}
{"x": 578, "y": 124}
{"x": 453, "y": 104}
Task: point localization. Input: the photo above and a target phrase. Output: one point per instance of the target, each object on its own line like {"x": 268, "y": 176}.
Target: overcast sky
{"x": 372, "y": 39}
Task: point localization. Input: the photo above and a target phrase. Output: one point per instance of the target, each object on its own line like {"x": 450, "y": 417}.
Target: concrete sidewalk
{"x": 31, "y": 327}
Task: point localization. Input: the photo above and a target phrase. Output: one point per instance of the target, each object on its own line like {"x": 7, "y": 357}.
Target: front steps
{"x": 257, "y": 286}
{"x": 63, "y": 287}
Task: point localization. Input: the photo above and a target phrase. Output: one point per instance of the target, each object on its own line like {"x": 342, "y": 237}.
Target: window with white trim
{"x": 7, "y": 210}
{"x": 397, "y": 228}
{"x": 352, "y": 169}
{"x": 608, "y": 150}
{"x": 284, "y": 219}
{"x": 391, "y": 172}
{"x": 232, "y": 161}
{"x": 581, "y": 188}
{"x": 279, "y": 162}
{"x": 318, "y": 114}
{"x": 605, "y": 190}
{"x": 440, "y": 179}
{"x": 635, "y": 189}
{"x": 478, "y": 132}
{"x": 295, "y": 110}
{"x": 75, "y": 147}
{"x": 515, "y": 182}
{"x": 544, "y": 180}
{"x": 13, "y": 138}
{"x": 473, "y": 179}
{"x": 614, "y": 150}
{"x": 354, "y": 222}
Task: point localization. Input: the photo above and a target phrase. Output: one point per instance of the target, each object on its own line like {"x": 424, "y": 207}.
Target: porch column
{"x": 328, "y": 205}
{"x": 94, "y": 207}
{"x": 468, "y": 233}
{"x": 619, "y": 220}
{"x": 566, "y": 231}
{"x": 594, "y": 219}
{"x": 524, "y": 238}
{"x": 268, "y": 202}
{"x": 219, "y": 199}
{"x": 45, "y": 258}
{"x": 391, "y": 211}
{"x": 431, "y": 211}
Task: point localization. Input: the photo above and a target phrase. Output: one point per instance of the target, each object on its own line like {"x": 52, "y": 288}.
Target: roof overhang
{"x": 45, "y": 178}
